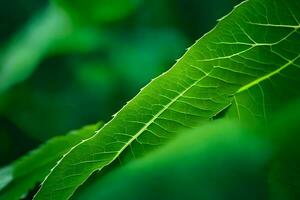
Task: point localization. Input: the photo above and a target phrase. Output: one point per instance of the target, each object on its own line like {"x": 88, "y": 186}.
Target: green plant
{"x": 246, "y": 69}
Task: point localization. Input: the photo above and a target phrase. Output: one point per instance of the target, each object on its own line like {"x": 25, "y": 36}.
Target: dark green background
{"x": 85, "y": 79}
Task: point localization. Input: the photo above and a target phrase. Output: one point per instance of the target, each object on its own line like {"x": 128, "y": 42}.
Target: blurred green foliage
{"x": 285, "y": 171}
{"x": 220, "y": 160}
{"x": 99, "y": 11}
{"x": 64, "y": 64}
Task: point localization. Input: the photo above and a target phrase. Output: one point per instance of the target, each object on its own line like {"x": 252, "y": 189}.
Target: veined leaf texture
{"x": 245, "y": 68}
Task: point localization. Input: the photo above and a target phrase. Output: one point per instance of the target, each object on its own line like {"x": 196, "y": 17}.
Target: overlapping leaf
{"x": 249, "y": 64}
{"x": 216, "y": 161}
{"x": 18, "y": 178}
{"x": 220, "y": 160}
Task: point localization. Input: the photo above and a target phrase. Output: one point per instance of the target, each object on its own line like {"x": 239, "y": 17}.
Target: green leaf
{"x": 21, "y": 176}
{"x": 213, "y": 162}
{"x": 245, "y": 68}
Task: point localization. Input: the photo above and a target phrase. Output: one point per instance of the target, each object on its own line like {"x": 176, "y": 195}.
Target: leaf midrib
{"x": 144, "y": 128}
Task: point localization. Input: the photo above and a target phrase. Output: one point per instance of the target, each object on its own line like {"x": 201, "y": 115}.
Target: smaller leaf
{"x": 21, "y": 176}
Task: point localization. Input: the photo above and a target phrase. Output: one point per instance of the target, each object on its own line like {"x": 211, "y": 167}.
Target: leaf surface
{"x": 246, "y": 68}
